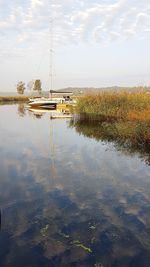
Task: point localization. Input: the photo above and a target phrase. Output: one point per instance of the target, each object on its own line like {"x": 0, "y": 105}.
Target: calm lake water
{"x": 69, "y": 200}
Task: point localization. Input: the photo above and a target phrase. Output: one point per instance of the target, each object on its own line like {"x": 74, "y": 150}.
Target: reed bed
{"x": 9, "y": 99}
{"x": 122, "y": 116}
{"x": 122, "y": 105}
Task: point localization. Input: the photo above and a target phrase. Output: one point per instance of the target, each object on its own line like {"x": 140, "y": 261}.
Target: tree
{"x": 21, "y": 87}
{"x": 37, "y": 86}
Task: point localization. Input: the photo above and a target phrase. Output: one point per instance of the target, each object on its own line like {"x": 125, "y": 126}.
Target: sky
{"x": 96, "y": 43}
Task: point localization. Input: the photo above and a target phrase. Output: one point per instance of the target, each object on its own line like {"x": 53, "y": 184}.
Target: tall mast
{"x": 51, "y": 53}
{"x": 51, "y": 47}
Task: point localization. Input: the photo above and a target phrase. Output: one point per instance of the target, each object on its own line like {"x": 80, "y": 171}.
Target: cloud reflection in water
{"x": 92, "y": 211}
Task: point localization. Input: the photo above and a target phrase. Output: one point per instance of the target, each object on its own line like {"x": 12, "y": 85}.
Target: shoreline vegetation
{"x": 122, "y": 118}
{"x": 125, "y": 106}
{"x": 11, "y": 99}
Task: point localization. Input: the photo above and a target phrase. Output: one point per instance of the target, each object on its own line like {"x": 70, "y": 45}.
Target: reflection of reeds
{"x": 132, "y": 136}
{"x": 4, "y": 99}
{"x": 122, "y": 105}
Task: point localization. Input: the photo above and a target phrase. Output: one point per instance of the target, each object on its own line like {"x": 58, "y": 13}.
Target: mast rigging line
{"x": 51, "y": 54}
{"x": 51, "y": 50}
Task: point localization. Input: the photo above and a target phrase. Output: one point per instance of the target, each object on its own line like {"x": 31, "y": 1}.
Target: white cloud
{"x": 74, "y": 21}
{"x": 36, "y": 3}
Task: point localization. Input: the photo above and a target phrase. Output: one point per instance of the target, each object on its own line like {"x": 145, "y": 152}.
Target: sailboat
{"x": 52, "y": 102}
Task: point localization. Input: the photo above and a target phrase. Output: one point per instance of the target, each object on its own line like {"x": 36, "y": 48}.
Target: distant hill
{"x": 83, "y": 90}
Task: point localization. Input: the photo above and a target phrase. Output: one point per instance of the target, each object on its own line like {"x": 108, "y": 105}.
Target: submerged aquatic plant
{"x": 77, "y": 243}
{"x": 44, "y": 231}
{"x": 98, "y": 264}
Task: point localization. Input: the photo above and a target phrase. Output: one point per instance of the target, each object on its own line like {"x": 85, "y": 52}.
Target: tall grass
{"x": 9, "y": 99}
{"x": 122, "y": 117}
{"x": 121, "y": 105}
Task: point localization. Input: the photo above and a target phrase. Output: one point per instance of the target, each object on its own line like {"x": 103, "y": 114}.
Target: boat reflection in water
{"x": 54, "y": 113}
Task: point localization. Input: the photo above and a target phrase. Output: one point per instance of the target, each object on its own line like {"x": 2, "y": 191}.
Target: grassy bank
{"x": 121, "y": 106}
{"x": 122, "y": 118}
{"x": 9, "y": 99}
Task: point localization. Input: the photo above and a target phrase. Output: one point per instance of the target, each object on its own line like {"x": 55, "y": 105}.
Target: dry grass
{"x": 8, "y": 99}
{"x": 143, "y": 115}
{"x": 122, "y": 105}
{"x": 123, "y": 117}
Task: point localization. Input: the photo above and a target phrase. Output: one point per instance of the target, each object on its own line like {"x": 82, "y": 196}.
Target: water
{"x": 69, "y": 200}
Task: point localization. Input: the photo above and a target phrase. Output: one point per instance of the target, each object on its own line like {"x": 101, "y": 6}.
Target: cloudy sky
{"x": 95, "y": 42}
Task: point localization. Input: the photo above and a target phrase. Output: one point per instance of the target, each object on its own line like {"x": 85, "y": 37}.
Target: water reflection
{"x": 39, "y": 112}
{"x": 68, "y": 200}
{"x": 22, "y": 109}
{"x": 53, "y": 114}
{"x": 118, "y": 133}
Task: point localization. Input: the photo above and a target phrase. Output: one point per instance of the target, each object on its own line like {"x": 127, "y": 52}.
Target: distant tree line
{"x": 35, "y": 86}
